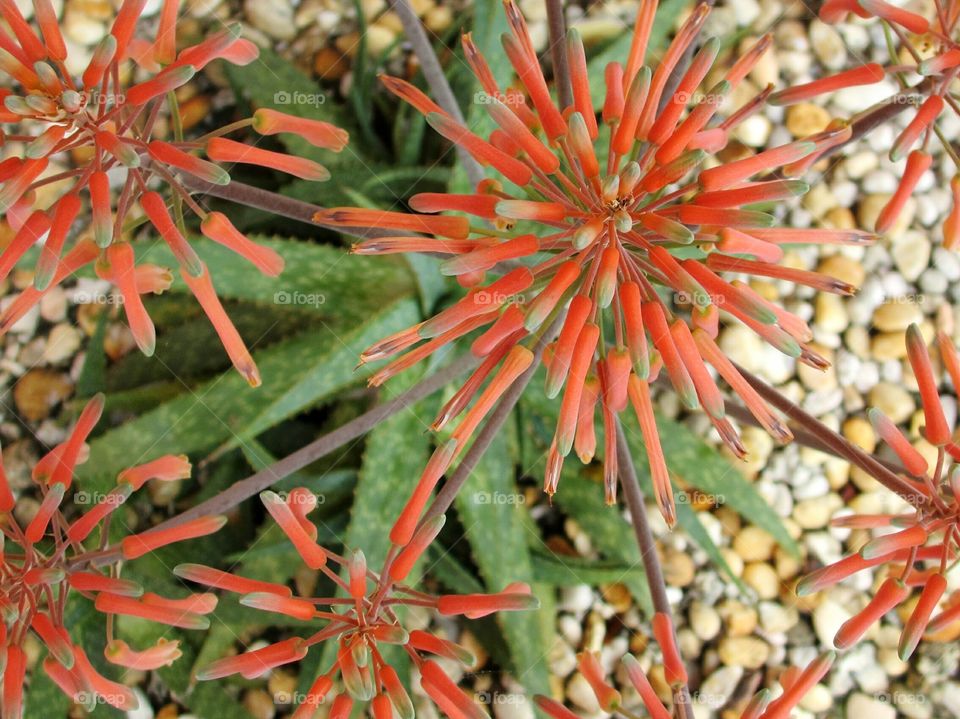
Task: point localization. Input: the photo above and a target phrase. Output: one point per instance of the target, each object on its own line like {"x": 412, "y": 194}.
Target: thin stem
{"x": 837, "y": 444}
{"x": 439, "y": 87}
{"x": 557, "y": 27}
{"x": 648, "y": 549}
{"x": 320, "y": 447}
{"x": 491, "y": 429}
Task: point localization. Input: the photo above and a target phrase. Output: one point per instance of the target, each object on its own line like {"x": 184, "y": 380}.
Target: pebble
{"x": 896, "y": 315}
{"x": 274, "y": 17}
{"x": 62, "y": 344}
{"x": 748, "y": 652}
{"x": 861, "y": 706}
{"x": 827, "y": 619}
{"x": 705, "y": 621}
{"x": 828, "y": 45}
{"x": 892, "y": 400}
{"x": 39, "y": 391}
{"x": 763, "y": 579}
{"x": 806, "y": 118}
{"x": 911, "y": 254}
{"x": 754, "y": 544}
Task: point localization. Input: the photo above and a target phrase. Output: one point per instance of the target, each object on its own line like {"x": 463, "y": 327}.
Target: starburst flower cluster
{"x": 618, "y": 259}
{"x": 56, "y": 556}
{"x": 121, "y": 173}
{"x": 926, "y": 67}
{"x": 794, "y": 683}
{"x": 361, "y": 620}
{"x": 918, "y": 547}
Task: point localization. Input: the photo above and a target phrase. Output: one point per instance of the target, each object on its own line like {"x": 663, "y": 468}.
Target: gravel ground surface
{"x": 735, "y": 642}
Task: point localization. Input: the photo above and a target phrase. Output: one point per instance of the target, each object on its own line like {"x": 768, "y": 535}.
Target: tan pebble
{"x": 328, "y": 64}
{"x": 892, "y": 400}
{"x": 754, "y": 544}
{"x": 816, "y": 512}
{"x": 282, "y": 685}
{"x": 118, "y": 341}
{"x": 859, "y": 431}
{"x": 819, "y": 200}
{"x": 837, "y": 471}
{"x": 259, "y": 704}
{"x": 39, "y": 391}
{"x": 678, "y": 569}
{"x": 194, "y": 111}
{"x": 818, "y": 699}
{"x": 618, "y": 596}
{"x": 53, "y": 304}
{"x": 896, "y": 315}
{"x": 747, "y": 652}
{"x": 857, "y": 340}
{"x": 733, "y": 561}
{"x": 729, "y": 519}
{"x": 840, "y": 218}
{"x": 805, "y": 119}
{"x": 62, "y": 343}
{"x": 763, "y": 579}
{"x": 830, "y": 313}
{"x": 888, "y": 346}
{"x": 378, "y": 39}
{"x": 843, "y": 268}
{"x": 787, "y": 565}
{"x": 438, "y": 19}
{"x": 705, "y": 621}
{"x": 739, "y": 618}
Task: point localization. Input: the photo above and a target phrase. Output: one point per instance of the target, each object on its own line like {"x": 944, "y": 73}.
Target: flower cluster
{"x": 360, "y": 620}
{"x": 119, "y": 167}
{"x": 926, "y": 69}
{"x": 794, "y": 682}
{"x": 43, "y": 563}
{"x": 920, "y": 546}
{"x": 617, "y": 258}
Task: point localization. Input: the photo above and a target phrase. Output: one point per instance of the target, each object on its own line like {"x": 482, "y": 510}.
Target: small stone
{"x": 828, "y": 45}
{"x": 843, "y": 268}
{"x": 776, "y": 618}
{"x": 53, "y": 304}
{"x": 859, "y": 431}
{"x": 817, "y": 700}
{"x": 740, "y": 619}
{"x": 62, "y": 344}
{"x": 754, "y": 544}
{"x": 827, "y": 620}
{"x": 274, "y": 17}
{"x": 259, "y": 704}
{"x": 763, "y": 579}
{"x": 39, "y": 391}
{"x": 746, "y": 652}
{"x": 861, "y": 706}
{"x": 830, "y": 314}
{"x": 911, "y": 254}
{"x": 678, "y": 569}
{"x": 718, "y": 688}
{"x": 805, "y": 118}
{"x": 896, "y": 315}
{"x": 705, "y": 621}
{"x": 816, "y": 513}
{"x": 892, "y": 400}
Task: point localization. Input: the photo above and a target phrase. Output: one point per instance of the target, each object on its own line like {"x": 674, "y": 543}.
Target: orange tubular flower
{"x": 107, "y": 134}
{"x": 49, "y": 560}
{"x": 361, "y": 619}
{"x": 917, "y": 547}
{"x": 603, "y": 239}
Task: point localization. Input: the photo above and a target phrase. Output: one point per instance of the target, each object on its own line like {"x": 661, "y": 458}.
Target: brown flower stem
{"x": 557, "y": 28}
{"x": 837, "y": 444}
{"x": 274, "y": 203}
{"x": 877, "y": 115}
{"x": 800, "y": 435}
{"x": 439, "y": 87}
{"x": 320, "y": 447}
{"x": 648, "y": 550}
